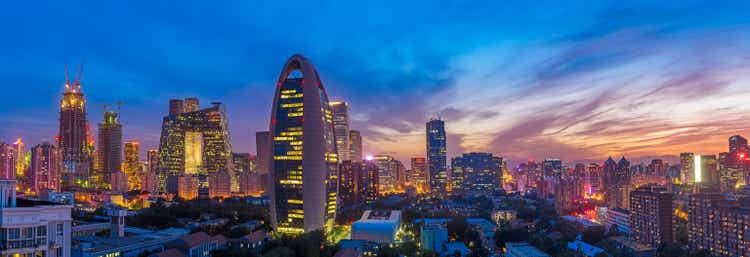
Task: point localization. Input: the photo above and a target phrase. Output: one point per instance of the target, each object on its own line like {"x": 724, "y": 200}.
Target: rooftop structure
{"x": 377, "y": 226}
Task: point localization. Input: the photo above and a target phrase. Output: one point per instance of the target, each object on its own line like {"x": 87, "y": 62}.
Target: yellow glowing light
{"x": 697, "y": 165}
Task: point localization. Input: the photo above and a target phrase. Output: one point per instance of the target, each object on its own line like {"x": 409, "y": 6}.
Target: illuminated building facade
{"x": 132, "y": 165}
{"x": 718, "y": 223}
{"x": 552, "y": 167}
{"x": 109, "y": 150}
{"x": 188, "y": 186}
{"x": 392, "y": 174}
{"x": 45, "y": 167}
{"x": 706, "y": 173}
{"x": 436, "y": 156}
{"x": 477, "y": 172}
{"x": 241, "y": 163}
{"x": 419, "y": 174}
{"x": 355, "y": 145}
{"x": 687, "y": 169}
{"x": 20, "y": 160}
{"x": 304, "y": 152}
{"x": 616, "y": 182}
{"x": 651, "y": 211}
{"x": 7, "y": 161}
{"x": 150, "y": 180}
{"x": 341, "y": 130}
{"x": 358, "y": 182}
{"x": 195, "y": 142}
{"x": 73, "y": 138}
{"x": 219, "y": 185}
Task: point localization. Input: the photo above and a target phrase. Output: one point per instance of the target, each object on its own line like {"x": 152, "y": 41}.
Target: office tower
{"x": 191, "y": 104}
{"x": 419, "y": 174}
{"x": 188, "y": 185}
{"x": 195, "y": 142}
{"x": 45, "y": 167}
{"x": 241, "y": 163}
{"x": 651, "y": 213}
{"x": 34, "y": 228}
{"x": 737, "y": 144}
{"x": 349, "y": 183}
{"x": 706, "y": 173}
{"x": 219, "y": 184}
{"x": 392, "y": 174}
{"x": 73, "y": 137}
{"x": 552, "y": 167}
{"x": 718, "y": 223}
{"x": 302, "y": 163}
{"x": 7, "y": 161}
{"x": 176, "y": 106}
{"x": 477, "y": 172}
{"x": 594, "y": 179}
{"x": 20, "y": 162}
{"x": 436, "y": 155}
{"x": 109, "y": 150}
{"x": 132, "y": 165}
{"x": 687, "y": 168}
{"x": 341, "y": 131}
{"x": 151, "y": 181}
{"x": 355, "y": 145}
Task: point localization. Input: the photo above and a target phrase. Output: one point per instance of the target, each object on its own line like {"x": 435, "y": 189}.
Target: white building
{"x": 32, "y": 228}
{"x": 377, "y": 226}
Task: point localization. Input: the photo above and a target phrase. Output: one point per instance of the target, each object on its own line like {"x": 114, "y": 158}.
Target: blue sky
{"x": 574, "y": 81}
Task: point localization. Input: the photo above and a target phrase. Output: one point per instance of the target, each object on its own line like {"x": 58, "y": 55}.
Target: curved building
{"x": 304, "y": 152}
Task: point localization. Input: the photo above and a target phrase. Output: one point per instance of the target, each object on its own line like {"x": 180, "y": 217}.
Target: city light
{"x": 697, "y": 166}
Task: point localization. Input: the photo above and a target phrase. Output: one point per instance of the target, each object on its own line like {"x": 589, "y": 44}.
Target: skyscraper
{"x": 109, "y": 150}
{"x": 419, "y": 173}
{"x": 195, "y": 142}
{"x": 436, "y": 155}
{"x": 391, "y": 173}
{"x": 264, "y": 156}
{"x": 73, "y": 137}
{"x": 45, "y": 167}
{"x": 341, "y": 128}
{"x": 687, "y": 168}
{"x": 304, "y": 166}
{"x": 706, "y": 171}
{"x": 737, "y": 144}
{"x": 552, "y": 167}
{"x": 7, "y": 161}
{"x": 132, "y": 166}
{"x": 20, "y": 162}
{"x": 150, "y": 180}
{"x": 355, "y": 145}
{"x": 479, "y": 172}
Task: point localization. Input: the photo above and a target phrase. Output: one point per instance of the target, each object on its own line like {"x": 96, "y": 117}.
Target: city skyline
{"x": 653, "y": 81}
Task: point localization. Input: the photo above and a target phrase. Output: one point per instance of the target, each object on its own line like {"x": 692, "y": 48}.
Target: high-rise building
{"x": 357, "y": 182}
{"x": 719, "y": 224}
{"x": 20, "y": 162}
{"x": 419, "y": 174}
{"x": 195, "y": 142}
{"x": 737, "y": 144}
{"x": 341, "y": 131}
{"x": 7, "y": 161}
{"x": 436, "y": 155}
{"x": 476, "y": 172}
{"x": 264, "y": 156}
{"x": 687, "y": 168}
{"x": 304, "y": 166}
{"x": 132, "y": 165}
{"x": 45, "y": 167}
{"x": 150, "y": 180}
{"x": 706, "y": 172}
{"x": 594, "y": 179}
{"x": 241, "y": 163}
{"x": 73, "y": 138}
{"x": 567, "y": 193}
{"x": 657, "y": 168}
{"x": 176, "y": 106}
{"x": 616, "y": 178}
{"x": 392, "y": 174}
{"x": 552, "y": 167}
{"x": 192, "y": 104}
{"x": 109, "y": 150}
{"x": 188, "y": 185}
{"x": 219, "y": 184}
{"x": 355, "y": 145}
{"x": 651, "y": 212}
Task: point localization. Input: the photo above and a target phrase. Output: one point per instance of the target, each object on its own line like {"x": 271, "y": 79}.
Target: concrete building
{"x": 377, "y": 226}
{"x": 618, "y": 220}
{"x": 523, "y": 249}
{"x": 33, "y": 228}
{"x": 433, "y": 236}
{"x": 651, "y": 214}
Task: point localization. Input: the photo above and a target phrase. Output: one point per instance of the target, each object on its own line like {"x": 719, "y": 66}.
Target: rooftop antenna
{"x": 67, "y": 78}
{"x": 79, "y": 76}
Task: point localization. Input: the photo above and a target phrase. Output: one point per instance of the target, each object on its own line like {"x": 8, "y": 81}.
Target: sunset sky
{"x": 579, "y": 81}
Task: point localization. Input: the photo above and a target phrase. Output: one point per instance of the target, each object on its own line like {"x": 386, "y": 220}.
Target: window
{"x": 59, "y": 230}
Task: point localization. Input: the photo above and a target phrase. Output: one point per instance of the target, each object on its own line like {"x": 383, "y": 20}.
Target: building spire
{"x": 67, "y": 78}
{"x": 79, "y": 76}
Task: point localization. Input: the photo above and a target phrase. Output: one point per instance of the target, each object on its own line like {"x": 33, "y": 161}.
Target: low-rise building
{"x": 583, "y": 249}
{"x": 631, "y": 247}
{"x": 433, "y": 236}
{"x": 377, "y": 226}
{"x": 617, "y": 220}
{"x": 523, "y": 249}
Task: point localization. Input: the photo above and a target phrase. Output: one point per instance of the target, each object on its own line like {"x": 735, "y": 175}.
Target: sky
{"x": 521, "y": 79}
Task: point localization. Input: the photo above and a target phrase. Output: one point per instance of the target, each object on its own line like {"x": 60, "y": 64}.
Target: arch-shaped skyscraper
{"x": 303, "y": 168}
